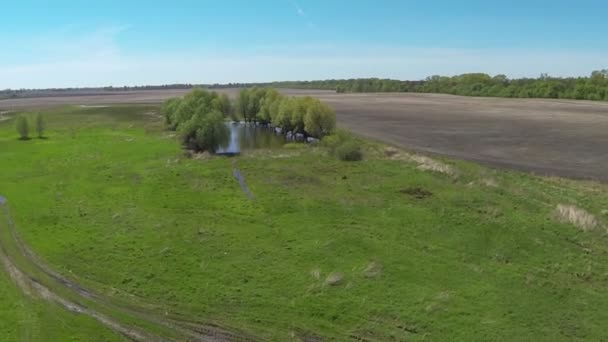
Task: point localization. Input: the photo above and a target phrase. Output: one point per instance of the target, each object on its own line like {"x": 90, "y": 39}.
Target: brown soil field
{"x": 550, "y": 137}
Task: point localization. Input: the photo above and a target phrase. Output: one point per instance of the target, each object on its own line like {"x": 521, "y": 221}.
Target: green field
{"x": 111, "y": 201}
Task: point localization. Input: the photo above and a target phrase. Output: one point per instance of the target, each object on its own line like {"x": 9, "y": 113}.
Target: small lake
{"x": 248, "y": 136}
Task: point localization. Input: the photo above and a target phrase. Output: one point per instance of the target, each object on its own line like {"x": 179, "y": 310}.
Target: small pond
{"x": 249, "y": 136}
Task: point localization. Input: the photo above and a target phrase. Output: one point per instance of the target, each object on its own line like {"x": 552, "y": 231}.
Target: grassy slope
{"x": 115, "y": 206}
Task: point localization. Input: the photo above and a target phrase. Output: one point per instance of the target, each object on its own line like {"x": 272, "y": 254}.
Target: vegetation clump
{"x": 23, "y": 127}
{"x": 199, "y": 116}
{"x": 343, "y": 146}
{"x": 349, "y": 151}
{"x": 40, "y": 125}
{"x": 304, "y": 115}
{"x": 199, "y": 119}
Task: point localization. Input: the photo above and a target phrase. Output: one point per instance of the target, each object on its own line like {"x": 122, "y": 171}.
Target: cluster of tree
{"x": 304, "y": 115}
{"x": 22, "y": 125}
{"x": 199, "y": 117}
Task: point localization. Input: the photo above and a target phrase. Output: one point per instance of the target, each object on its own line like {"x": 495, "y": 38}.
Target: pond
{"x": 250, "y": 136}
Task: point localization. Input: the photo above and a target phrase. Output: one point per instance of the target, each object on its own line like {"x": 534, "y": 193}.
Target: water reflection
{"x": 249, "y": 136}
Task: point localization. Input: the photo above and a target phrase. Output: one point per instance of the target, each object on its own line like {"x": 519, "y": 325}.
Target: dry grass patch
{"x": 489, "y": 182}
{"x": 334, "y": 279}
{"x": 373, "y": 270}
{"x": 576, "y": 216}
{"x": 424, "y": 163}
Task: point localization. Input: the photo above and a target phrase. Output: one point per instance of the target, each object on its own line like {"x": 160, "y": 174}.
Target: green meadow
{"x": 395, "y": 247}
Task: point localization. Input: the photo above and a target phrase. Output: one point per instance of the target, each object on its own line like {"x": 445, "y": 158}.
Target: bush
{"x": 349, "y": 151}
{"x": 338, "y": 137}
{"x": 343, "y": 145}
{"x": 23, "y": 127}
{"x": 40, "y": 125}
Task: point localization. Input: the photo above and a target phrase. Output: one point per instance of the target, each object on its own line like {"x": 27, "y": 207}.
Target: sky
{"x": 60, "y": 43}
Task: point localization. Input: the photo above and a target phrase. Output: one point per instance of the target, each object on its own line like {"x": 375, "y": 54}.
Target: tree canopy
{"x": 198, "y": 117}
{"x": 304, "y": 115}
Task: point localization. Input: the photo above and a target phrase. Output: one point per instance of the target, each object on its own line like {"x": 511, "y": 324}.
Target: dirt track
{"x": 40, "y": 281}
{"x": 556, "y": 137}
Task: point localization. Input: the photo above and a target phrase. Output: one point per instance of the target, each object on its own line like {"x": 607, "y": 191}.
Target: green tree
{"x": 168, "y": 111}
{"x": 266, "y": 105}
{"x": 283, "y": 117}
{"x": 298, "y": 112}
{"x": 23, "y": 127}
{"x": 40, "y": 125}
{"x": 242, "y": 104}
{"x": 320, "y": 119}
{"x": 225, "y": 106}
{"x": 212, "y": 132}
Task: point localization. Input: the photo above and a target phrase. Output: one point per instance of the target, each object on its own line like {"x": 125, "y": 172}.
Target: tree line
{"x": 594, "y": 87}
{"x": 199, "y": 117}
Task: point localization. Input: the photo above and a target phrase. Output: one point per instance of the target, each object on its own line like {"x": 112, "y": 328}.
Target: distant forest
{"x": 594, "y": 87}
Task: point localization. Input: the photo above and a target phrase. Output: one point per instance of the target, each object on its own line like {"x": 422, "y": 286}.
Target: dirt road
{"x": 36, "y": 279}
{"x": 555, "y": 137}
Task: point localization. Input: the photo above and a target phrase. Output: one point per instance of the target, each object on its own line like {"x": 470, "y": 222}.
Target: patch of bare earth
{"x": 576, "y": 216}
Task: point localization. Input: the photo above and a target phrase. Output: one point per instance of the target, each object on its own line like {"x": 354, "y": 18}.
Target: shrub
{"x": 334, "y": 140}
{"x": 343, "y": 145}
{"x": 23, "y": 127}
{"x": 168, "y": 111}
{"x": 40, "y": 125}
{"x": 349, "y": 151}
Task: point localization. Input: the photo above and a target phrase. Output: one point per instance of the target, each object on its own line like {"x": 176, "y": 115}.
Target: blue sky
{"x": 98, "y": 43}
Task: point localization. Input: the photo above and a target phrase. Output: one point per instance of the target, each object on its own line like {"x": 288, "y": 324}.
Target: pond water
{"x": 248, "y": 137}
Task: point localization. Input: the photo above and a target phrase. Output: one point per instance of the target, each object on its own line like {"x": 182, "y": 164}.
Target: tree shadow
{"x": 43, "y": 138}
{"x": 24, "y": 138}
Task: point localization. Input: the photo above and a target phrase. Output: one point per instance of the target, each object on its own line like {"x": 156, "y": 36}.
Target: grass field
{"x": 110, "y": 201}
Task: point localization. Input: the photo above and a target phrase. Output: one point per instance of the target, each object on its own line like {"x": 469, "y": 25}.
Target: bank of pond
{"x": 246, "y": 136}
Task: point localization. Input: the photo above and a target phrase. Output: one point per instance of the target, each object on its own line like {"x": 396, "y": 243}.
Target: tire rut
{"x": 173, "y": 324}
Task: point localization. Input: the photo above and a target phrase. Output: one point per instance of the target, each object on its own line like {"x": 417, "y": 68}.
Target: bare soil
{"x": 553, "y": 137}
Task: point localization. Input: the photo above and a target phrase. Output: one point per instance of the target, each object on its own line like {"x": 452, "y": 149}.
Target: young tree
{"x": 40, "y": 125}
{"x": 23, "y": 127}
{"x": 320, "y": 119}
